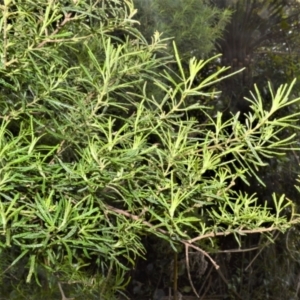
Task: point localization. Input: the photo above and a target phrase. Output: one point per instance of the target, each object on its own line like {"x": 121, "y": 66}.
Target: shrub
{"x": 91, "y": 161}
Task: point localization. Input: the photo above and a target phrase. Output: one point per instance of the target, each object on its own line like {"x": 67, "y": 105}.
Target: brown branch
{"x": 203, "y": 297}
{"x": 62, "y": 293}
{"x": 202, "y": 251}
{"x": 175, "y": 276}
{"x": 260, "y": 250}
{"x": 237, "y": 250}
{"x": 225, "y": 233}
{"x": 190, "y": 242}
{"x": 216, "y": 267}
{"x": 186, "y": 243}
{"x": 208, "y": 278}
{"x": 187, "y": 262}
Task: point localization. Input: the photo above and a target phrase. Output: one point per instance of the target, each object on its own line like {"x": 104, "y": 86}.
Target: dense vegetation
{"x": 116, "y": 163}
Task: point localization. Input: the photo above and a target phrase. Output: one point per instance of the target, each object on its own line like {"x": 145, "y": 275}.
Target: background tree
{"x": 257, "y": 29}
{"x": 194, "y": 25}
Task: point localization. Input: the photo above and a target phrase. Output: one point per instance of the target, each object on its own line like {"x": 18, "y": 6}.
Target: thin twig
{"x": 188, "y": 270}
{"x": 184, "y": 242}
{"x": 237, "y": 250}
{"x": 62, "y": 293}
{"x": 204, "y": 283}
{"x": 175, "y": 276}
{"x": 258, "y": 253}
{"x": 206, "y": 290}
{"x": 240, "y": 231}
{"x": 190, "y": 242}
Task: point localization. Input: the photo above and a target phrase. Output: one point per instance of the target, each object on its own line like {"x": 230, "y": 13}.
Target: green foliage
{"x": 194, "y": 25}
{"x": 91, "y": 161}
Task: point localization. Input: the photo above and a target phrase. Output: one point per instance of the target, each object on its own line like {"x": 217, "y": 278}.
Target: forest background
{"x": 138, "y": 163}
